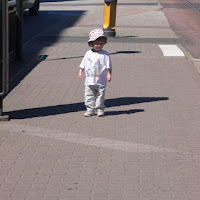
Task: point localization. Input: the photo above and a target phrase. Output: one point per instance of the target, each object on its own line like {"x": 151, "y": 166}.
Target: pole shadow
{"x": 76, "y": 107}
{"x": 125, "y": 52}
{"x": 74, "y": 57}
{"x": 122, "y": 101}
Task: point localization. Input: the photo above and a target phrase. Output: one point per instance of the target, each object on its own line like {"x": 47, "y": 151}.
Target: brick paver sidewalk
{"x": 145, "y": 148}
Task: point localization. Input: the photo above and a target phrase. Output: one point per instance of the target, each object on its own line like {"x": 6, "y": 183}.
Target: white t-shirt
{"x": 95, "y": 65}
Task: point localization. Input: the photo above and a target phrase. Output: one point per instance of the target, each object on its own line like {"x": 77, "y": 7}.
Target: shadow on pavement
{"x": 121, "y": 112}
{"x": 49, "y": 21}
{"x": 75, "y": 107}
{"x": 125, "y": 52}
{"x": 66, "y": 58}
{"x": 124, "y": 101}
{"x": 19, "y": 70}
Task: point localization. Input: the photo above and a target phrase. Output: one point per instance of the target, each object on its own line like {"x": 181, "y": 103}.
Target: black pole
{"x": 1, "y": 57}
{"x": 19, "y": 31}
{"x": 4, "y": 51}
{"x": 4, "y": 58}
{"x": 1, "y": 106}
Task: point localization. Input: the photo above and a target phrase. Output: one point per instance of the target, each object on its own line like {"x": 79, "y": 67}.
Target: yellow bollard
{"x": 110, "y": 7}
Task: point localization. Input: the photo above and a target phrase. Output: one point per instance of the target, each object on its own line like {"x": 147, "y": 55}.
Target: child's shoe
{"x": 100, "y": 113}
{"x": 88, "y": 113}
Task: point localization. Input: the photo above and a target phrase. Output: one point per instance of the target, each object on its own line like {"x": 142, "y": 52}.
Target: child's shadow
{"x": 121, "y": 112}
{"x": 76, "y": 107}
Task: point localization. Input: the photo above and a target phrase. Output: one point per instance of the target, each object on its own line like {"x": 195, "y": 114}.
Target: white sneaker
{"x": 100, "y": 113}
{"x": 88, "y": 114}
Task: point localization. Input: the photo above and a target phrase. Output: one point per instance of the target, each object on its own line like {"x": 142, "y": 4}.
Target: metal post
{"x": 1, "y": 57}
{"x": 19, "y": 25}
{"x": 12, "y": 27}
{"x": 110, "y": 7}
{"x": 1, "y": 106}
{"x": 4, "y": 55}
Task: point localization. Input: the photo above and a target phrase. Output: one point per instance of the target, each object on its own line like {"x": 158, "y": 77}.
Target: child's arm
{"x": 109, "y": 75}
{"x": 80, "y": 74}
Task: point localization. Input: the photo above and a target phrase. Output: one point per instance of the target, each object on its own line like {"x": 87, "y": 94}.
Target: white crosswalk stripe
{"x": 171, "y": 50}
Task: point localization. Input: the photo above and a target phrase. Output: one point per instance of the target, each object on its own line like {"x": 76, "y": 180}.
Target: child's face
{"x": 98, "y": 45}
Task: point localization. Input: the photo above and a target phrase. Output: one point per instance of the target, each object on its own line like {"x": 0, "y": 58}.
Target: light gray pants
{"x": 95, "y": 97}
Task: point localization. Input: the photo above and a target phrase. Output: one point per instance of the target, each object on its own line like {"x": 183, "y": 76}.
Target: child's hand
{"x": 80, "y": 75}
{"x": 109, "y": 77}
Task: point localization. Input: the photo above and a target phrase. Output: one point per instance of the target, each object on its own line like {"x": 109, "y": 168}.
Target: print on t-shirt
{"x": 94, "y": 69}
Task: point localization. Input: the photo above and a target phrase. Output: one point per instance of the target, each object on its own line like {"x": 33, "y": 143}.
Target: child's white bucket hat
{"x": 95, "y": 34}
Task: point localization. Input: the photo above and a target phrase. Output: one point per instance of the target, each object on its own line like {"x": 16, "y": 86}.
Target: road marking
{"x": 171, "y": 50}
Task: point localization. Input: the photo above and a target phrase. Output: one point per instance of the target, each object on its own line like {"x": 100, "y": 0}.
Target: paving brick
{"x": 147, "y": 145}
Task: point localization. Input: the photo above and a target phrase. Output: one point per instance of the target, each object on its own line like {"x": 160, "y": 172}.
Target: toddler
{"x": 98, "y": 67}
